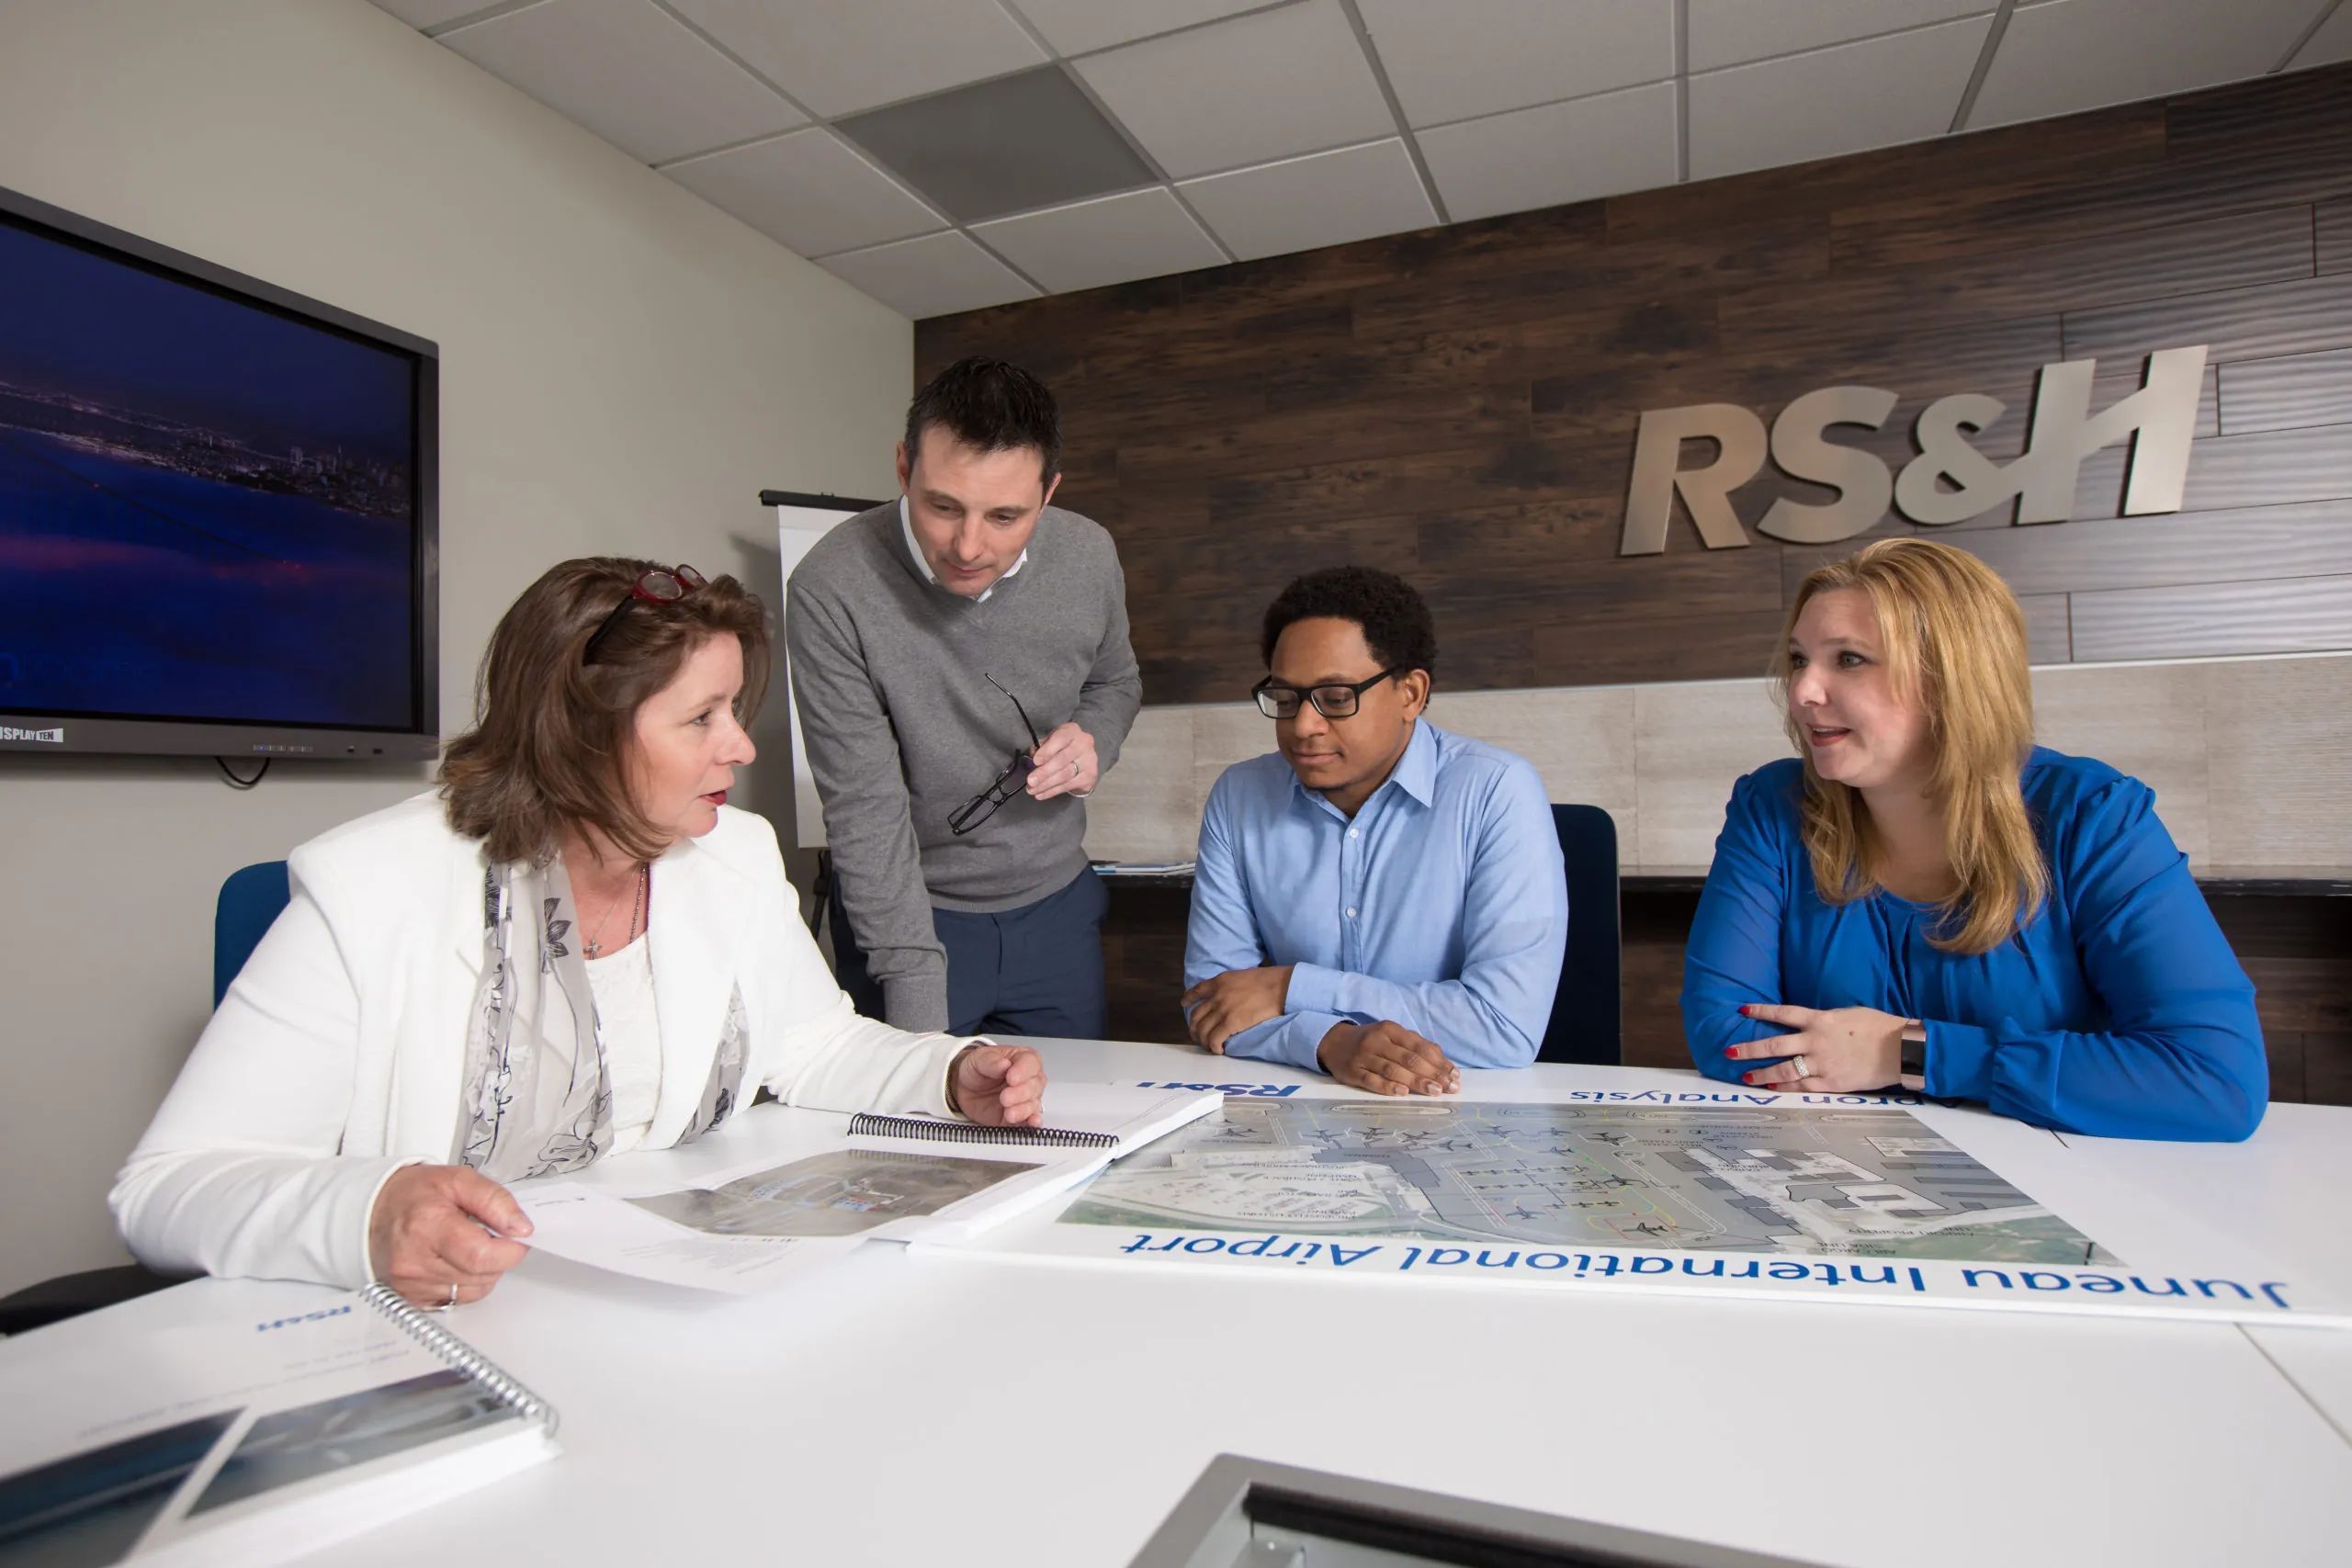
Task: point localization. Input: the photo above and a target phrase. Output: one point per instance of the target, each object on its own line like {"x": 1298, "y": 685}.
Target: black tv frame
{"x": 212, "y": 738}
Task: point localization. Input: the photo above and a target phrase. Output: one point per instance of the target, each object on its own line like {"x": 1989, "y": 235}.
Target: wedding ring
{"x": 1804, "y": 1067}
{"x": 453, "y": 1298}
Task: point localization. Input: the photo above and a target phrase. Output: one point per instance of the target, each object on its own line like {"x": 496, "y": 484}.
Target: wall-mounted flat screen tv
{"x": 217, "y": 522}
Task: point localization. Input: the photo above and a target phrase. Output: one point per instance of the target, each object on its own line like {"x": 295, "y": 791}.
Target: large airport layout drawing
{"x": 1869, "y": 1181}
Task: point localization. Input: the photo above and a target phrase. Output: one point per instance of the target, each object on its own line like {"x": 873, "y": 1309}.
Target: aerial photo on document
{"x": 92, "y": 1506}
{"x": 351, "y": 1429}
{"x": 844, "y": 1193}
{"x": 1851, "y": 1181}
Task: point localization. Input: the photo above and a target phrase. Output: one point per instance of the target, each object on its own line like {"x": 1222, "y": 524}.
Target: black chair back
{"x": 1586, "y": 1024}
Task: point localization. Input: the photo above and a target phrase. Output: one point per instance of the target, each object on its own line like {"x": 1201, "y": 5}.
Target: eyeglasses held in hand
{"x": 1277, "y": 701}
{"x": 655, "y": 587}
{"x": 981, "y": 806}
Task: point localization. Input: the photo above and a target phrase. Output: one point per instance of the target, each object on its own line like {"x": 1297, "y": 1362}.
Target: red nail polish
{"x": 1732, "y": 1052}
{"x": 1744, "y": 1011}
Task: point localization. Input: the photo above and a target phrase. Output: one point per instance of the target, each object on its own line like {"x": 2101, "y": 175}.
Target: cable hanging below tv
{"x": 218, "y": 522}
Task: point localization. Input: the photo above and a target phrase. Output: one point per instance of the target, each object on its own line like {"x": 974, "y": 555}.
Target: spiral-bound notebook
{"x": 301, "y": 1418}
{"x": 1111, "y": 1117}
{"x": 1085, "y": 1126}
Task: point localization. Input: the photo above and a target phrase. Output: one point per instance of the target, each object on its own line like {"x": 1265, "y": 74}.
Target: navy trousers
{"x": 1034, "y": 970}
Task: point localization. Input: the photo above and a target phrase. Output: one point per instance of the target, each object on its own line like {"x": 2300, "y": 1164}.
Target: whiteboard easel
{"x": 800, "y": 521}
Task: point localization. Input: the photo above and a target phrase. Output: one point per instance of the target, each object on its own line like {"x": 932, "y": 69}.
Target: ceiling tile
{"x": 2332, "y": 42}
{"x": 1324, "y": 199}
{"x": 840, "y": 56}
{"x": 423, "y": 14}
{"x": 628, "y": 73}
{"x": 1245, "y": 91}
{"x": 1878, "y": 93}
{"x": 2083, "y": 54}
{"x": 1733, "y": 32}
{"x": 1007, "y": 145}
{"x": 1560, "y": 152}
{"x": 809, "y": 190}
{"x": 1478, "y": 57}
{"x": 1074, "y": 27}
{"x": 937, "y": 275}
{"x": 1115, "y": 240}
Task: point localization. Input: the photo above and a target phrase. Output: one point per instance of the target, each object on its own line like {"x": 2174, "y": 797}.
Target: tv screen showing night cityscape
{"x": 216, "y": 508}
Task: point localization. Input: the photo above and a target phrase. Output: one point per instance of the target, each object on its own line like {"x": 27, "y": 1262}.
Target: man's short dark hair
{"x": 1396, "y": 622}
{"x": 987, "y": 405}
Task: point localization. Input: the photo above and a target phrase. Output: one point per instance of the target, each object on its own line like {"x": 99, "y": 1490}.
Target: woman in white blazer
{"x": 572, "y": 949}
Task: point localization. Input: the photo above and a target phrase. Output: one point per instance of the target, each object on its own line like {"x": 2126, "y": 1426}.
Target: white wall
{"x": 2247, "y": 756}
{"x": 624, "y": 367}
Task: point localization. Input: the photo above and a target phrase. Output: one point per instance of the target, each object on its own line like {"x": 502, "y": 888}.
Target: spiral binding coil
{"x": 868, "y": 1123}
{"x": 460, "y": 1355}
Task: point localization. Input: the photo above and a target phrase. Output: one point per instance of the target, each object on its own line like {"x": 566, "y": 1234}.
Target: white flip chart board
{"x": 800, "y": 521}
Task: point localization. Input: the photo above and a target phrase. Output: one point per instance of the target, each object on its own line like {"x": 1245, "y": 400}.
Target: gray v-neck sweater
{"x": 902, "y": 729}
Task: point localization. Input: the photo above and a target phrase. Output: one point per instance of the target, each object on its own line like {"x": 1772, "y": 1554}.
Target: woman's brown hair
{"x": 550, "y": 745}
{"x": 1954, "y": 639}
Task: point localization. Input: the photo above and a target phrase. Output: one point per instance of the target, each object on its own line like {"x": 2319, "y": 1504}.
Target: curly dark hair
{"x": 1395, "y": 621}
{"x": 990, "y": 405}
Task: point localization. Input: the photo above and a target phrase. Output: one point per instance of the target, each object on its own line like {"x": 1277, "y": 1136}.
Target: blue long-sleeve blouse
{"x": 2118, "y": 1011}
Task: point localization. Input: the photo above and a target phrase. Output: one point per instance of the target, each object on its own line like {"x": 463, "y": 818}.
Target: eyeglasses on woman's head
{"x": 655, "y": 587}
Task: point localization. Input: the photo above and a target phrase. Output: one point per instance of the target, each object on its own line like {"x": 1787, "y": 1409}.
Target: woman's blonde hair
{"x": 1954, "y": 643}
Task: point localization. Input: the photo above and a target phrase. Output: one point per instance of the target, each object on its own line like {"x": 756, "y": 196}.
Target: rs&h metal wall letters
{"x": 1950, "y": 480}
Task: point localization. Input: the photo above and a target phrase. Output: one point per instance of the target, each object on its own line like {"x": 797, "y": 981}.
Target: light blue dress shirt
{"x": 1441, "y": 906}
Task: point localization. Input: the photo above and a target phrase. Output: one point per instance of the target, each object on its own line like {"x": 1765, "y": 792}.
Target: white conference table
{"x": 911, "y": 1408}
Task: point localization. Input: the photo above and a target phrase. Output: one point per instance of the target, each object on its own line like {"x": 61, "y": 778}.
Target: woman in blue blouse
{"x": 1928, "y": 898}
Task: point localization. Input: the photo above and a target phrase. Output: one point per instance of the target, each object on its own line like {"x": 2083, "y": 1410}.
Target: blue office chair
{"x": 1587, "y": 1023}
{"x": 250, "y": 900}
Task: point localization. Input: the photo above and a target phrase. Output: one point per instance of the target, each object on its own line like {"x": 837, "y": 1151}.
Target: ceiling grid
{"x": 1142, "y": 153}
{"x": 1984, "y": 66}
{"x": 1388, "y": 94}
{"x": 1681, "y": 92}
{"x": 943, "y": 156}
{"x": 2335, "y": 18}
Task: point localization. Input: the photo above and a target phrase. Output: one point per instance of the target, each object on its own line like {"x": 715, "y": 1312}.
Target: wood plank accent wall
{"x": 1459, "y": 404}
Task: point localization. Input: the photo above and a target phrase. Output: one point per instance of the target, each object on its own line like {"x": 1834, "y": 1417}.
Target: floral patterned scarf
{"x": 526, "y": 1111}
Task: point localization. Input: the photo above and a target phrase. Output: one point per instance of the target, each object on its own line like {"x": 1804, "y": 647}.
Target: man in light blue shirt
{"x": 1379, "y": 899}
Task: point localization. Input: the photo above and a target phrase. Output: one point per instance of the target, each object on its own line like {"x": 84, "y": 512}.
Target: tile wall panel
{"x": 1693, "y": 743}
{"x": 2144, "y": 720}
{"x": 2247, "y": 756}
{"x": 2279, "y": 752}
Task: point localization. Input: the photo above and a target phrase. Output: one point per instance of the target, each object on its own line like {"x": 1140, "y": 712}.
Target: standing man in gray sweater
{"x": 960, "y": 664}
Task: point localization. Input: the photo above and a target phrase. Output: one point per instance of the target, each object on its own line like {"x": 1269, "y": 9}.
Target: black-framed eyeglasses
{"x": 981, "y": 806}
{"x": 1334, "y": 701}
{"x": 655, "y": 587}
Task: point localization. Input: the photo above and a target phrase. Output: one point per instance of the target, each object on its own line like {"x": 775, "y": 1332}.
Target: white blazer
{"x": 338, "y": 1053}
